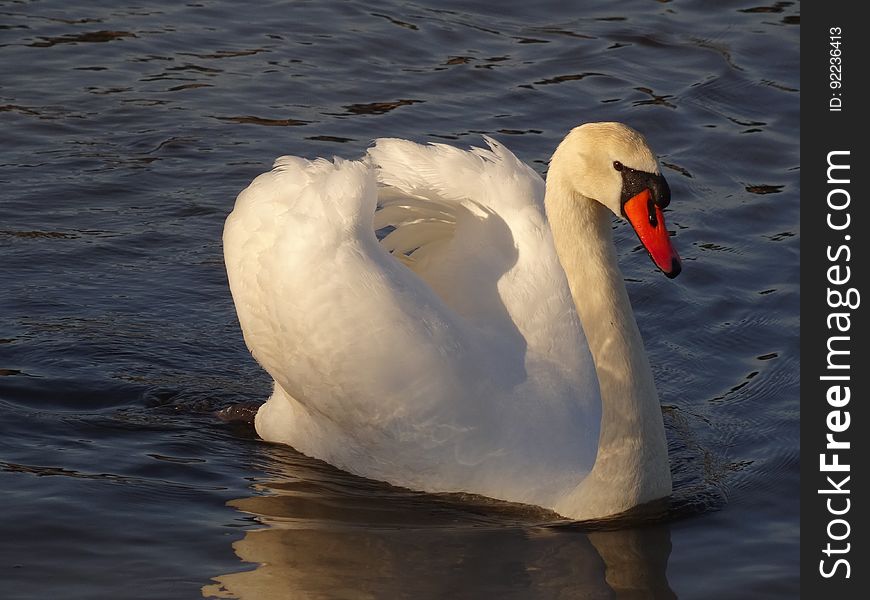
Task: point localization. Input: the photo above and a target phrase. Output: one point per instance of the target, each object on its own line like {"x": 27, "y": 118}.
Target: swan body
{"x": 444, "y": 320}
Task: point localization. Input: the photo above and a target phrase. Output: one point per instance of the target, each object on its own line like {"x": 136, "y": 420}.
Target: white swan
{"x": 451, "y": 354}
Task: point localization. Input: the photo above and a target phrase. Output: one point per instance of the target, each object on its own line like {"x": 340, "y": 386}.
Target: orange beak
{"x": 649, "y": 223}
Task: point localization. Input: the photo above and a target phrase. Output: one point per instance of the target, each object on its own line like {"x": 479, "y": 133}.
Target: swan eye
{"x": 617, "y": 165}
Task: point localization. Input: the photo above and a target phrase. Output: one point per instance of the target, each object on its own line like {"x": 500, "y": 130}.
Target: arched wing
{"x": 472, "y": 225}
{"x": 324, "y": 309}
{"x": 449, "y": 342}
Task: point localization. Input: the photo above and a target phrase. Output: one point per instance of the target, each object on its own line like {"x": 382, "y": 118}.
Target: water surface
{"x": 130, "y": 128}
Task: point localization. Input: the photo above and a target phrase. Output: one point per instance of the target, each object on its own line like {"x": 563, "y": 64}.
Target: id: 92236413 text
{"x": 835, "y": 69}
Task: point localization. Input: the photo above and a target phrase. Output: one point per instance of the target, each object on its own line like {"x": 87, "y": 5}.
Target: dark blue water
{"x": 128, "y": 130}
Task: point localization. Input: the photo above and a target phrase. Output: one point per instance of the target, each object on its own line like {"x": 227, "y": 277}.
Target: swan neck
{"x": 631, "y": 466}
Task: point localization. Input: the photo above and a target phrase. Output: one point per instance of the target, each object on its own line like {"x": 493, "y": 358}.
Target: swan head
{"x": 612, "y": 164}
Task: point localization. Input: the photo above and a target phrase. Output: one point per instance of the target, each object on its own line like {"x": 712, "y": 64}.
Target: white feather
{"x": 447, "y": 356}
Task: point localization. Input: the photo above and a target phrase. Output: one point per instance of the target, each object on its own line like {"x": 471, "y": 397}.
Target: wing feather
{"x": 449, "y": 342}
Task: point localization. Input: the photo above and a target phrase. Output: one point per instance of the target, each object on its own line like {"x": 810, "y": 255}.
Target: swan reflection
{"x": 330, "y": 535}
